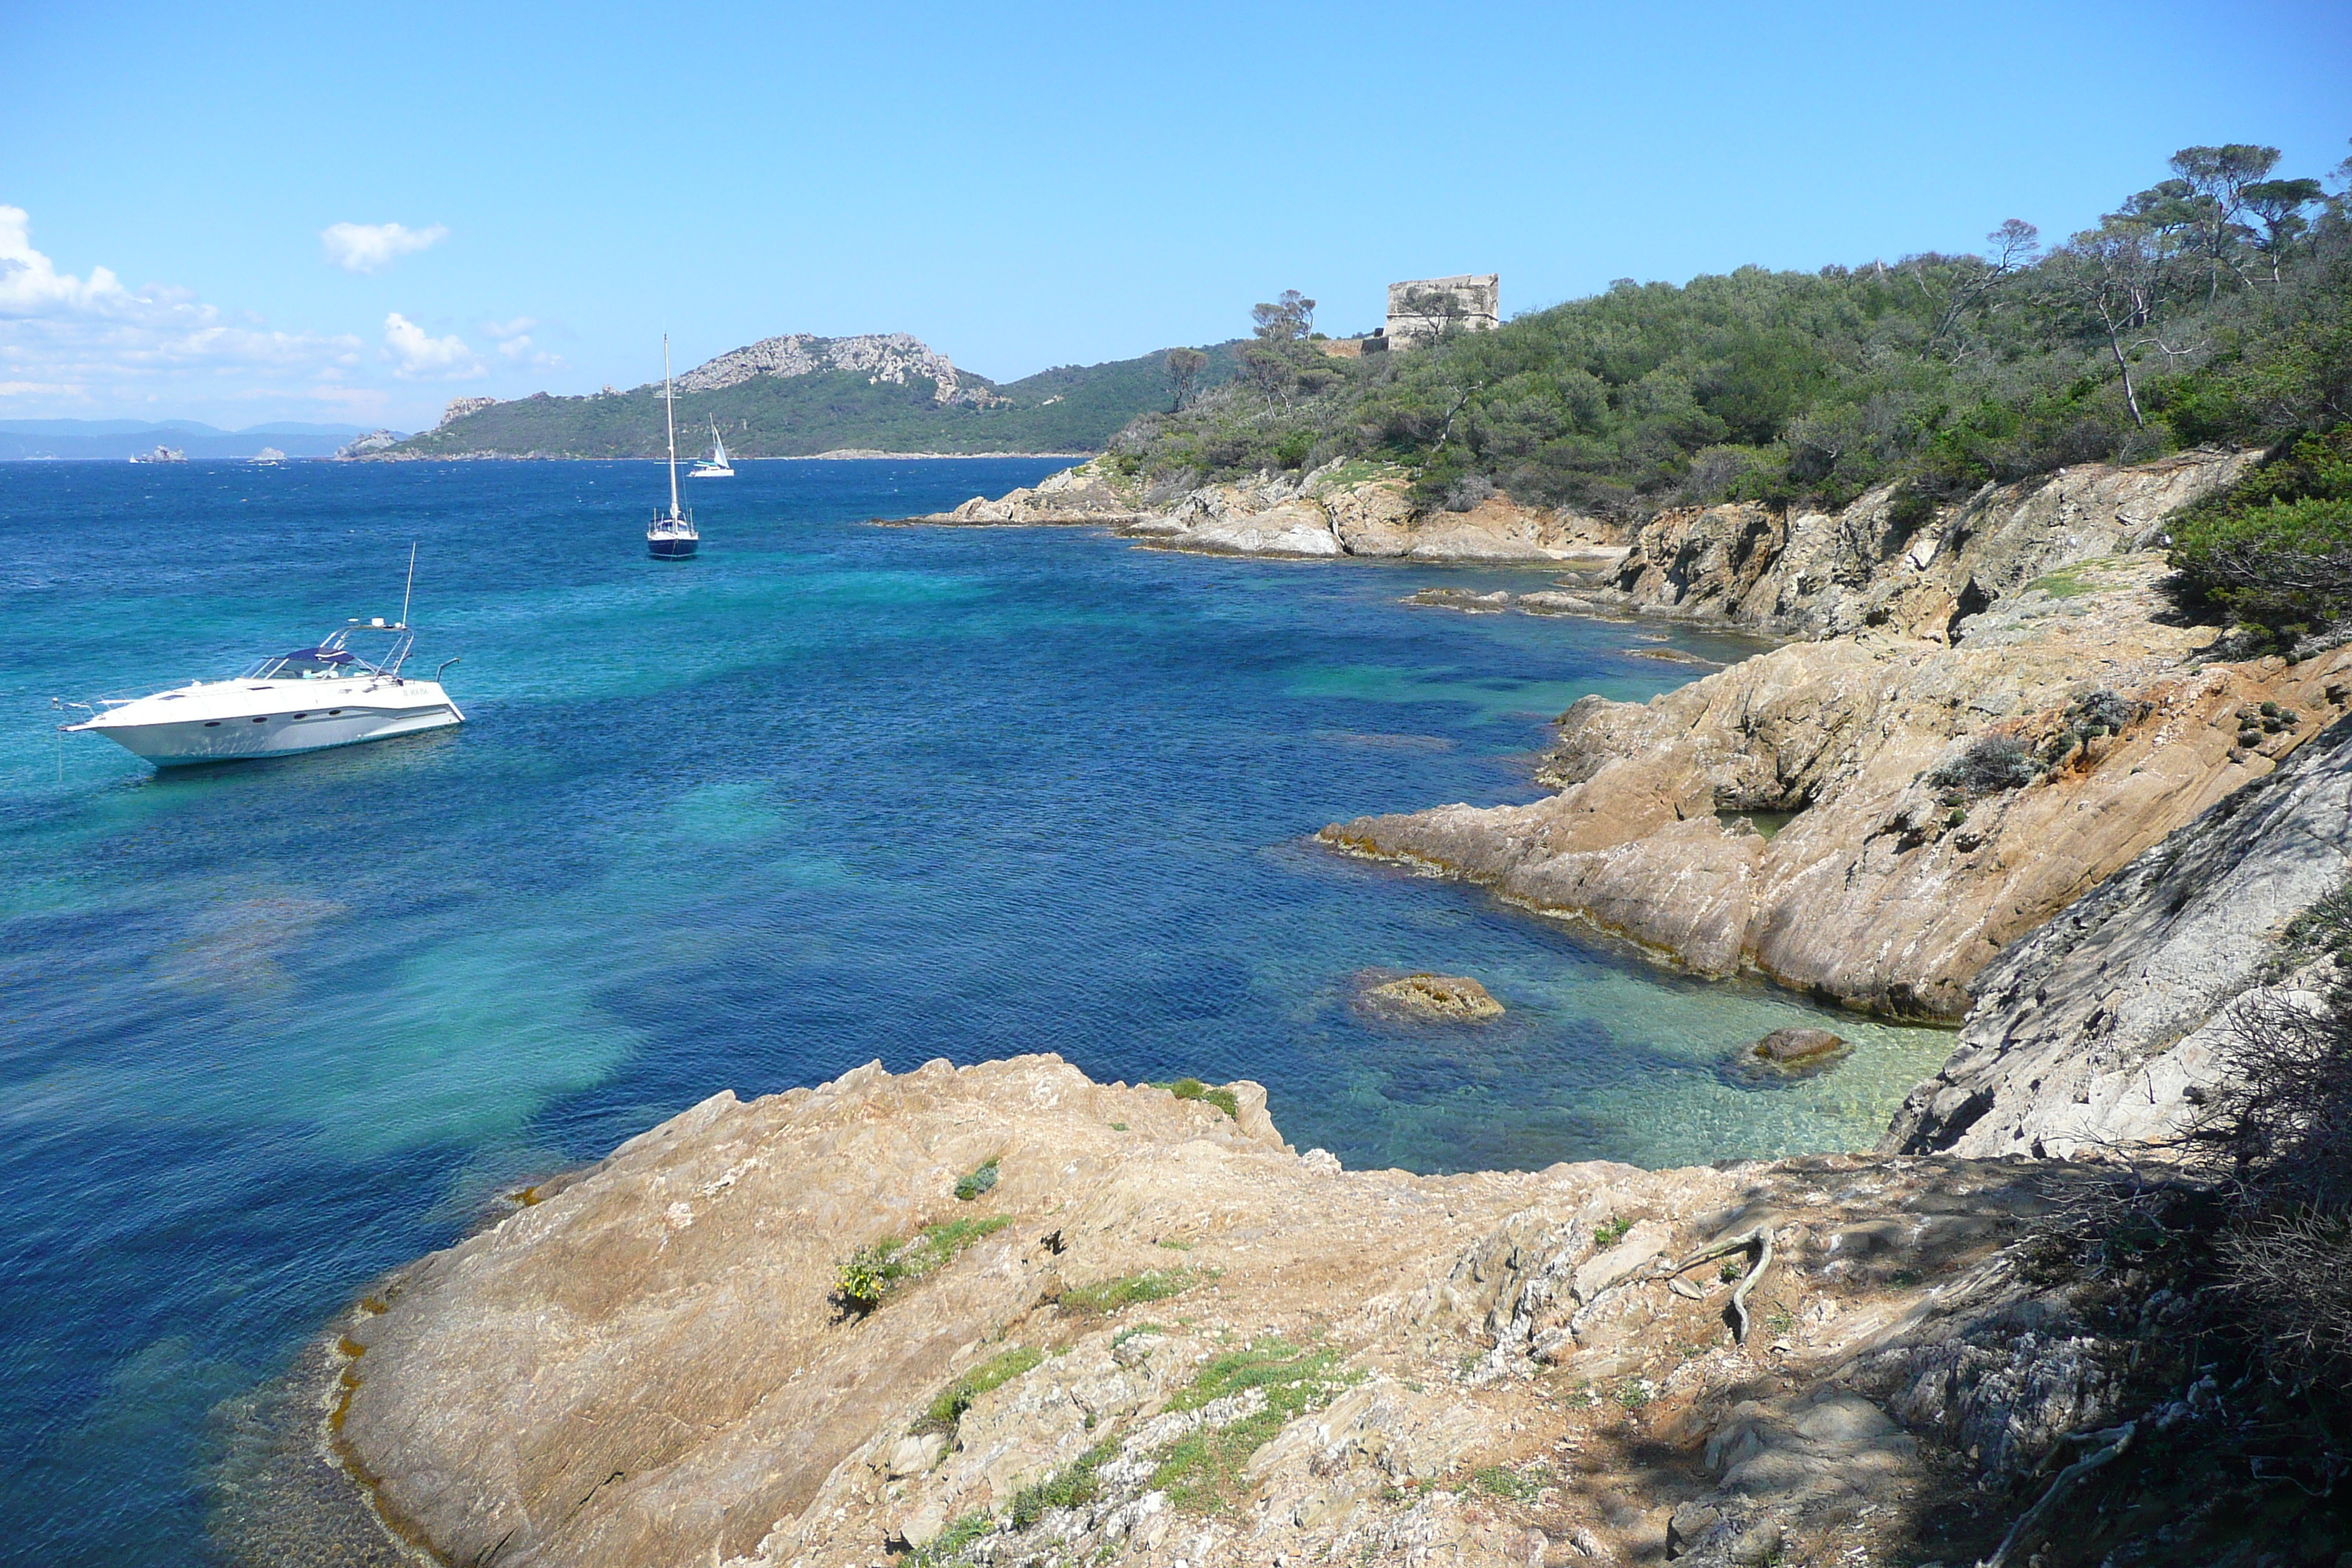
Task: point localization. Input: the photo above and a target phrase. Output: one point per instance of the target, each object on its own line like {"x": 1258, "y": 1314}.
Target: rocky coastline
{"x": 1002, "y": 1314}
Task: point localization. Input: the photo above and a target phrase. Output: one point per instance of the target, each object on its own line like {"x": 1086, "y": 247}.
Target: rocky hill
{"x": 800, "y": 396}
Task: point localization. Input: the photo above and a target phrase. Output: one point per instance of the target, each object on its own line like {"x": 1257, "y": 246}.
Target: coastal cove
{"x": 831, "y": 794}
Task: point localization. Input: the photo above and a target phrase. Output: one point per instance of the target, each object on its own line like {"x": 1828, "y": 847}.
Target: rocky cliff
{"x": 1343, "y": 508}
{"x": 1884, "y": 886}
{"x": 1890, "y": 880}
{"x": 898, "y": 358}
{"x": 2099, "y": 1031}
{"x": 1161, "y": 1335}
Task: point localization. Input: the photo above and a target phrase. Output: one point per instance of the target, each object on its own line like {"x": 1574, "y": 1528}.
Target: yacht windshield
{"x": 305, "y": 664}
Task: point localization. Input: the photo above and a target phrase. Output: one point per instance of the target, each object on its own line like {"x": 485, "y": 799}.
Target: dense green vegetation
{"x": 2215, "y": 306}
{"x": 2275, "y": 553}
{"x": 1071, "y": 408}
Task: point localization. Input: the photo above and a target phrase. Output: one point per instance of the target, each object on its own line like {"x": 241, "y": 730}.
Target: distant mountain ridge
{"x": 799, "y": 395}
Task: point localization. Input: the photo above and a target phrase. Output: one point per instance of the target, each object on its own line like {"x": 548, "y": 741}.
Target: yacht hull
{"x": 671, "y": 549}
{"x": 412, "y": 708}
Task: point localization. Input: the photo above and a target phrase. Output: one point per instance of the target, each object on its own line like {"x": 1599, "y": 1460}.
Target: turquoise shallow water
{"x": 829, "y": 794}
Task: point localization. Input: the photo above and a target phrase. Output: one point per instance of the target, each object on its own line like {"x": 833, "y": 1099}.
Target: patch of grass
{"x": 957, "y": 1397}
{"x": 871, "y": 1273}
{"x": 948, "y": 1545}
{"x": 1072, "y": 1486}
{"x": 1200, "y": 1472}
{"x": 979, "y": 1182}
{"x": 1634, "y": 1395}
{"x": 1610, "y": 1232}
{"x": 2067, "y": 582}
{"x": 1108, "y": 1296}
{"x": 1118, "y": 1126}
{"x": 1173, "y": 1244}
{"x": 1502, "y": 1482}
{"x": 1194, "y": 1088}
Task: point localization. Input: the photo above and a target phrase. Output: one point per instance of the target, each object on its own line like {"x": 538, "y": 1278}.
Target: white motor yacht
{"x": 307, "y": 701}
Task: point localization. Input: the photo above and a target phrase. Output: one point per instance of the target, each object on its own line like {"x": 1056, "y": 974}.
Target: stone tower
{"x": 1425, "y": 306}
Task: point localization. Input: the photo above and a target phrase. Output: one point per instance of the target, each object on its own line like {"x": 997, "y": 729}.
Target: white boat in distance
{"x": 716, "y": 466}
{"x": 307, "y": 701}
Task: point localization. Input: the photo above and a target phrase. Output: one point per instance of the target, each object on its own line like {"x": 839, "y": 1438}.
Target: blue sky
{"x": 1019, "y": 185}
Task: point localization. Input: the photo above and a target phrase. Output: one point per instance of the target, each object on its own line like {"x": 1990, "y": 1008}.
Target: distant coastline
{"x": 839, "y": 454}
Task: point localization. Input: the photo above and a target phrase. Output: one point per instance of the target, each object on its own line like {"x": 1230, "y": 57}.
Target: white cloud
{"x": 417, "y": 356}
{"x": 73, "y": 340}
{"x": 373, "y": 246}
{"x": 516, "y": 346}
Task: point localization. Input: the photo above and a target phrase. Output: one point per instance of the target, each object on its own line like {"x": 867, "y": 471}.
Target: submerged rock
{"x": 1435, "y": 998}
{"x": 1795, "y": 1051}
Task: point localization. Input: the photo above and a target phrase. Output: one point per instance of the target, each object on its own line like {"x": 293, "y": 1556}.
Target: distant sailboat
{"x": 671, "y": 536}
{"x": 716, "y": 466}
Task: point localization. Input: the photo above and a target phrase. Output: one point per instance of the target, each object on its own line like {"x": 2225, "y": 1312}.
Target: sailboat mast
{"x": 669, "y": 414}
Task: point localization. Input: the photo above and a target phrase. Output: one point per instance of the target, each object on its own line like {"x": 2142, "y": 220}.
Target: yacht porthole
{"x": 211, "y": 723}
{"x": 261, "y": 720}
{"x": 301, "y": 715}
{"x": 332, "y": 711}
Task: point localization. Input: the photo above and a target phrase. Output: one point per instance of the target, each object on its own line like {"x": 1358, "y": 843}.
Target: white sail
{"x": 716, "y": 466}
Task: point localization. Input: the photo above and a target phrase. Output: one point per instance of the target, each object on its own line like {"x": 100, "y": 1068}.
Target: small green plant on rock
{"x": 1224, "y": 1100}
{"x": 1072, "y": 1486}
{"x": 957, "y": 1397}
{"x": 1610, "y": 1232}
{"x": 950, "y": 1544}
{"x": 1502, "y": 1482}
{"x": 1108, "y": 1296}
{"x": 1989, "y": 764}
{"x": 979, "y": 1182}
{"x": 872, "y": 1272}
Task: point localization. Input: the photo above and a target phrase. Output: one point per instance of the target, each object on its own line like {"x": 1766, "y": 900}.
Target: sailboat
{"x": 716, "y": 466}
{"x": 671, "y": 536}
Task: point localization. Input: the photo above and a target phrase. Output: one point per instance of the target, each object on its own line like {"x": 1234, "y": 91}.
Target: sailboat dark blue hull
{"x": 671, "y": 549}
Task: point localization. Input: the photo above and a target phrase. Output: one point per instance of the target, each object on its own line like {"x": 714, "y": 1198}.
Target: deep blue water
{"x": 830, "y": 793}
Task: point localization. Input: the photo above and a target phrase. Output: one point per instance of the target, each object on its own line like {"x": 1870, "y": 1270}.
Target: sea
{"x": 832, "y": 793}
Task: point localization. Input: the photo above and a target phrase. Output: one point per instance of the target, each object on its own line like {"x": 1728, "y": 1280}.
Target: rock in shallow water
{"x": 1798, "y": 1047}
{"x": 1434, "y": 998}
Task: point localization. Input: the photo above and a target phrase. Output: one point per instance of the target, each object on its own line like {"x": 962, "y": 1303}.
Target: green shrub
{"x": 1990, "y": 763}
{"x": 871, "y": 1273}
{"x": 1611, "y": 1232}
{"x": 2275, "y": 553}
{"x": 957, "y": 1397}
{"x": 1223, "y": 1099}
{"x": 979, "y": 1182}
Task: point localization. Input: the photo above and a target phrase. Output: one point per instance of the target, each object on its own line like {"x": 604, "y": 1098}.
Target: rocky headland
{"x": 1163, "y": 1335}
